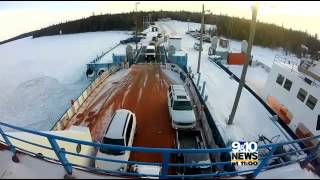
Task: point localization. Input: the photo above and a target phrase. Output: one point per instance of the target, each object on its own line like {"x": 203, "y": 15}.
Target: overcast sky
{"x": 20, "y": 17}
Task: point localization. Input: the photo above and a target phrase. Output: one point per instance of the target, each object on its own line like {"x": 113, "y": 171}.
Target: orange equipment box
{"x": 237, "y": 58}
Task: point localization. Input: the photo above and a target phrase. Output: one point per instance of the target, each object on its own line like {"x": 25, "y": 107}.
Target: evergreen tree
{"x": 267, "y": 35}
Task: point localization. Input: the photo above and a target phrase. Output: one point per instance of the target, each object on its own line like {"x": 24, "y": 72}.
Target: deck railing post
{"x": 203, "y": 88}
{"x": 165, "y": 165}
{"x": 198, "y": 81}
{"x": 265, "y": 161}
{"x": 12, "y": 148}
{"x": 61, "y": 154}
{"x": 206, "y": 98}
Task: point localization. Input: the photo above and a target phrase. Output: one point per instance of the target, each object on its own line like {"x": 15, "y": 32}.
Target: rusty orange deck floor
{"x": 143, "y": 91}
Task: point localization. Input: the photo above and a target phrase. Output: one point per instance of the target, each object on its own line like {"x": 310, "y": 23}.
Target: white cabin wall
{"x": 301, "y": 112}
{"x": 78, "y": 133}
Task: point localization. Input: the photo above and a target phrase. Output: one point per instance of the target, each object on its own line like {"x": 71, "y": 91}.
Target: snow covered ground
{"x": 149, "y": 35}
{"x": 39, "y": 77}
{"x": 256, "y": 76}
{"x": 251, "y": 119}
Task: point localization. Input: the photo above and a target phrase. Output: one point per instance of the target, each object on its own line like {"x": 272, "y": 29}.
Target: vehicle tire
{"x": 90, "y": 73}
{"x": 210, "y": 51}
{"x": 101, "y": 71}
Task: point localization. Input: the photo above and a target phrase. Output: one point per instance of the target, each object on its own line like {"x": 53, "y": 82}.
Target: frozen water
{"x": 39, "y": 77}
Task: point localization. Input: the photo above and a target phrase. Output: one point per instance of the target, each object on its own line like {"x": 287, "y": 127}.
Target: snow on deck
{"x": 39, "y": 77}
{"x": 292, "y": 171}
{"x": 251, "y": 119}
{"x": 148, "y": 37}
{"x": 256, "y": 77}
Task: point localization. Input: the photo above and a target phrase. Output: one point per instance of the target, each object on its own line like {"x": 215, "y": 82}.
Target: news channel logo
{"x": 244, "y": 153}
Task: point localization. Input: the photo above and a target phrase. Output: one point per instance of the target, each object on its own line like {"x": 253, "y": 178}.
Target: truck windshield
{"x": 150, "y": 50}
{"x": 182, "y": 105}
{"x": 113, "y": 142}
{"x": 224, "y": 43}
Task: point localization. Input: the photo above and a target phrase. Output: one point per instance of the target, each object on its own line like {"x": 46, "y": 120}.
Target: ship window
{"x": 280, "y": 79}
{"x": 287, "y": 84}
{"x": 302, "y": 94}
{"x": 311, "y": 102}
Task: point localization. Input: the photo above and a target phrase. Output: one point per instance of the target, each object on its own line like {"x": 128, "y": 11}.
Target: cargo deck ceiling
{"x": 143, "y": 90}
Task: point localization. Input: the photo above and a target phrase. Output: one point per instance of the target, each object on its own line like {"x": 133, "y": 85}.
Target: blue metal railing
{"x": 136, "y": 56}
{"x": 168, "y": 164}
{"x": 166, "y": 153}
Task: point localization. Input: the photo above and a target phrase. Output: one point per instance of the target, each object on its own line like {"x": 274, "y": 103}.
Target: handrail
{"x": 86, "y": 91}
{"x": 136, "y": 57}
{"x": 88, "y": 87}
{"x": 104, "y": 53}
{"x": 294, "y": 69}
{"x": 55, "y": 138}
{"x": 167, "y": 153}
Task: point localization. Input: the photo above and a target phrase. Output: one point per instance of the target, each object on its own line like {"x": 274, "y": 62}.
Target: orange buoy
{"x": 280, "y": 109}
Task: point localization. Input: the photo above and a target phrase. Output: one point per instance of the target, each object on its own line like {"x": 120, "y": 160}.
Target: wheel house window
{"x": 280, "y": 79}
{"x": 311, "y": 102}
{"x": 287, "y": 84}
{"x": 302, "y": 94}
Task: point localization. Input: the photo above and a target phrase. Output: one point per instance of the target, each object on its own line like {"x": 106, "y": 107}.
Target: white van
{"x": 120, "y": 132}
{"x": 150, "y": 53}
{"x": 180, "y": 108}
{"x": 196, "y": 46}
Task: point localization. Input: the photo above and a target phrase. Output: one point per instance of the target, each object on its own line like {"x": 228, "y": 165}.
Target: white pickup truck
{"x": 150, "y": 53}
{"x": 180, "y": 108}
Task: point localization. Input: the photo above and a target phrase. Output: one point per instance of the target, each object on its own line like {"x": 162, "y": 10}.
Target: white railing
{"x": 291, "y": 60}
{"x": 294, "y": 65}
